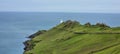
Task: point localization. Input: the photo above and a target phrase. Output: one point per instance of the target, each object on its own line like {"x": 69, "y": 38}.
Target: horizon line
{"x": 63, "y": 12}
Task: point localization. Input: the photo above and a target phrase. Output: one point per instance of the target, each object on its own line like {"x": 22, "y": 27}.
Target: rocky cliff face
{"x": 29, "y": 44}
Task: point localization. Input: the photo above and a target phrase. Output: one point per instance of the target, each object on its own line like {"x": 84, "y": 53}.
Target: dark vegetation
{"x": 37, "y": 33}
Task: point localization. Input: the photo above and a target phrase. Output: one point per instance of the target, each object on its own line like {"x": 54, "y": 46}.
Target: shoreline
{"x": 27, "y": 43}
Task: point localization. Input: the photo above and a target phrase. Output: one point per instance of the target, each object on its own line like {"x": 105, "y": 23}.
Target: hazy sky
{"x": 105, "y": 6}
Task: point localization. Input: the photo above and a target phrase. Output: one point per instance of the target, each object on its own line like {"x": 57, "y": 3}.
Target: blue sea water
{"x": 16, "y": 26}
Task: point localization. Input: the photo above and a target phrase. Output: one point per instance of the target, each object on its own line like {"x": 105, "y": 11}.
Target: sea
{"x": 15, "y": 27}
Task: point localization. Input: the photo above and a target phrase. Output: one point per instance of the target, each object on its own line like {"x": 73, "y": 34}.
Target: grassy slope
{"x": 62, "y": 40}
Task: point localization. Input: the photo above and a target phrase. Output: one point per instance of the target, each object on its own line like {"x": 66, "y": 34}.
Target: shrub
{"x": 88, "y": 24}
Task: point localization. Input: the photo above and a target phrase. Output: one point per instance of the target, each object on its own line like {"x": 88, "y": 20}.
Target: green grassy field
{"x": 63, "y": 39}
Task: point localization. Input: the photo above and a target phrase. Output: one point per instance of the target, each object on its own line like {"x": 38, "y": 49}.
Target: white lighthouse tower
{"x": 61, "y": 21}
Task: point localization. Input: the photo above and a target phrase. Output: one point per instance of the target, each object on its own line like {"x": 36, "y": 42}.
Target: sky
{"x": 99, "y": 6}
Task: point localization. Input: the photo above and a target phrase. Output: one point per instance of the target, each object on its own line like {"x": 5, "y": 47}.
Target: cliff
{"x": 71, "y": 37}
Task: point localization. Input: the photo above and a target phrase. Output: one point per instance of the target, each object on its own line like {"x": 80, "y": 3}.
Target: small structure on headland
{"x": 61, "y": 21}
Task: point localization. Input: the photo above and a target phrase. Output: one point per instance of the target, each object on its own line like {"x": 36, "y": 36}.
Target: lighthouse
{"x": 61, "y": 21}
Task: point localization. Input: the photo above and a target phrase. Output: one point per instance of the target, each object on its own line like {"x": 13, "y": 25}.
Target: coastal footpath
{"x": 71, "y": 37}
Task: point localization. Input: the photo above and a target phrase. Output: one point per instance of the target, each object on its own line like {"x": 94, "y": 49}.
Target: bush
{"x": 101, "y": 25}
{"x": 88, "y": 24}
